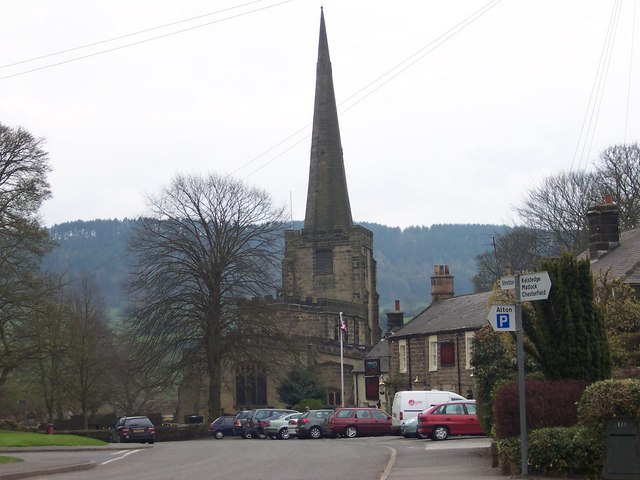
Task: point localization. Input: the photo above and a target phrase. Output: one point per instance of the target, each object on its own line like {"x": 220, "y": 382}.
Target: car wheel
{"x": 219, "y": 434}
{"x": 151, "y": 442}
{"x": 247, "y": 435}
{"x": 351, "y": 432}
{"x": 422, "y": 436}
{"x": 284, "y": 433}
{"x": 315, "y": 432}
{"x": 440, "y": 433}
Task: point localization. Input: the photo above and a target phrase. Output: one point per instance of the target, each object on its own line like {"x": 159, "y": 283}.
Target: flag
{"x": 343, "y": 325}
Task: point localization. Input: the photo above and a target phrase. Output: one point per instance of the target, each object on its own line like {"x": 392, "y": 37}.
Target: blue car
{"x": 222, "y": 426}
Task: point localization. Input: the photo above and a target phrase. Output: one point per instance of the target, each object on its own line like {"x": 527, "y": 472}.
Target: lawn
{"x": 10, "y": 438}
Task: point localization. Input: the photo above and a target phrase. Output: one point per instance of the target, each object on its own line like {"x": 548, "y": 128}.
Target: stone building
{"x": 433, "y": 350}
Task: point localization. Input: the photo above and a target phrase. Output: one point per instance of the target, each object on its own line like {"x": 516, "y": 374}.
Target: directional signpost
{"x": 507, "y": 318}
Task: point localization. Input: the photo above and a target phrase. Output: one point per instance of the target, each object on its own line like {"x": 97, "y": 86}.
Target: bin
{"x": 49, "y": 428}
{"x": 622, "y": 454}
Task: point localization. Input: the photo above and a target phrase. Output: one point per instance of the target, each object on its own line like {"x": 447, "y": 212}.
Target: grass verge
{"x": 10, "y": 438}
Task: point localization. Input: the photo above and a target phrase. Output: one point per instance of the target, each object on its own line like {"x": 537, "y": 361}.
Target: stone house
{"x": 433, "y": 350}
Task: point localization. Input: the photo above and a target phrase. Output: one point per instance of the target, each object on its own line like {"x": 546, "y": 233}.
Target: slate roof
{"x": 466, "y": 312}
{"x": 623, "y": 262}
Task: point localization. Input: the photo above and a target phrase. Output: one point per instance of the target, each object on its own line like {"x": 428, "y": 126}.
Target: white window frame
{"x": 468, "y": 349}
{"x": 433, "y": 353}
{"x": 402, "y": 356}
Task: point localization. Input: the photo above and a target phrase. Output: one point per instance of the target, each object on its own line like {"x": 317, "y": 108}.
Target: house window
{"x": 433, "y": 353}
{"x": 468, "y": 351}
{"x": 447, "y": 354}
{"x": 251, "y": 387}
{"x": 402, "y": 356}
{"x": 324, "y": 262}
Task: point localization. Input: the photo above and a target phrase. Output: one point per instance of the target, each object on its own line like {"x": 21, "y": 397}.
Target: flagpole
{"x": 341, "y": 364}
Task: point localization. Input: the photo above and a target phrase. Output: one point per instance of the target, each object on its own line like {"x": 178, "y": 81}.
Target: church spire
{"x": 327, "y": 196}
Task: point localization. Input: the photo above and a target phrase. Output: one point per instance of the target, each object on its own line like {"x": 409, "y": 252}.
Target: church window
{"x": 251, "y": 387}
{"x": 324, "y": 262}
{"x": 333, "y": 398}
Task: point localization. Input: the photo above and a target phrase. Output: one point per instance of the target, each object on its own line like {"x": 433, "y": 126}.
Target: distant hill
{"x": 405, "y": 258}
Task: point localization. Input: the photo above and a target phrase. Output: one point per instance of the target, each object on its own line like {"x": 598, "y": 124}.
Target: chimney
{"x": 604, "y": 227}
{"x": 441, "y": 283}
{"x": 395, "y": 319}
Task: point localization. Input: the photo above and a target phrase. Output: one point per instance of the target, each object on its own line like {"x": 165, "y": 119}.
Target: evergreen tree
{"x": 567, "y": 332}
{"x": 300, "y": 384}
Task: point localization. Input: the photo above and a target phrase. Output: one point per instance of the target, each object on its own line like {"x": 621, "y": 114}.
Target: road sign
{"x": 534, "y": 286}
{"x": 508, "y": 282}
{"x": 502, "y": 318}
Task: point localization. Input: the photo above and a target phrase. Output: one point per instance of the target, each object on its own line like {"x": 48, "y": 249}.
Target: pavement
{"x": 50, "y": 465}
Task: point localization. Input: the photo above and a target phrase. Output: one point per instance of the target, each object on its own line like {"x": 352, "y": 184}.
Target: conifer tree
{"x": 567, "y": 332}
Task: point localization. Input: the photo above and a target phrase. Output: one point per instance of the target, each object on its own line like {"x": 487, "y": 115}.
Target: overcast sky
{"x": 450, "y": 110}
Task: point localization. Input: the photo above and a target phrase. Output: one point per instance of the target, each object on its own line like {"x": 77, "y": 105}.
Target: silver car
{"x": 282, "y": 427}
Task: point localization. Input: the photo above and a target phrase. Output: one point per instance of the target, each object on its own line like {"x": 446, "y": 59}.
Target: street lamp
{"x": 382, "y": 386}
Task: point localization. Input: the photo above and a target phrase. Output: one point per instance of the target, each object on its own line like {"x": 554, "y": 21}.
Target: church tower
{"x": 330, "y": 263}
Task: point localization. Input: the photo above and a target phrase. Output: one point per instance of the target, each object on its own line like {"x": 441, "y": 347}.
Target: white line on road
{"x": 123, "y": 453}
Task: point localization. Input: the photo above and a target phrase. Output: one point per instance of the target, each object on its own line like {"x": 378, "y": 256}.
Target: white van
{"x": 409, "y": 403}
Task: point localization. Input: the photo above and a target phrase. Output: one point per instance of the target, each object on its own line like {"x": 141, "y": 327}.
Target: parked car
{"x": 279, "y": 427}
{"x": 241, "y": 422}
{"x": 313, "y": 424}
{"x": 452, "y": 418}
{"x": 254, "y": 428}
{"x": 133, "y": 429}
{"x": 360, "y": 421}
{"x": 222, "y": 426}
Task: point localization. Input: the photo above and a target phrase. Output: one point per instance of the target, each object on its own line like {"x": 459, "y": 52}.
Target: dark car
{"x": 453, "y": 418}
{"x": 312, "y": 424}
{"x": 133, "y": 429}
{"x": 240, "y": 422}
{"x": 222, "y": 426}
{"x": 360, "y": 421}
{"x": 254, "y": 427}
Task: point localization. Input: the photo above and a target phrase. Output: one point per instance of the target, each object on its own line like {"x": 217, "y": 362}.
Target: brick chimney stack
{"x": 604, "y": 227}
{"x": 441, "y": 283}
{"x": 395, "y": 319}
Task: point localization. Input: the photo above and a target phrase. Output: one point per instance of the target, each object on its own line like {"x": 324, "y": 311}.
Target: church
{"x": 328, "y": 282}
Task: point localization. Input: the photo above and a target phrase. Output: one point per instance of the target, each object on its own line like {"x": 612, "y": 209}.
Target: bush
{"x": 312, "y": 403}
{"x": 548, "y": 404}
{"x": 553, "y": 451}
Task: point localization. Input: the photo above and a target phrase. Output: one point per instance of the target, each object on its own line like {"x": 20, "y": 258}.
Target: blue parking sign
{"x": 503, "y": 321}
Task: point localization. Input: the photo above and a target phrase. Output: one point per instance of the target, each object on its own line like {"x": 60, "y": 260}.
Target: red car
{"x": 360, "y": 421}
{"x": 453, "y": 418}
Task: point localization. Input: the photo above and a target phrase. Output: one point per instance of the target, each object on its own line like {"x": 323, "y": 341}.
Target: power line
{"x": 633, "y": 34}
{"x": 157, "y": 37}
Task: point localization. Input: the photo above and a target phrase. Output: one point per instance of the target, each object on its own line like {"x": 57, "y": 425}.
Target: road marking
{"x": 123, "y": 454}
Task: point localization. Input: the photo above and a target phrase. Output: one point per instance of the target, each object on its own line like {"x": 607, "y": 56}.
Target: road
{"x": 374, "y": 458}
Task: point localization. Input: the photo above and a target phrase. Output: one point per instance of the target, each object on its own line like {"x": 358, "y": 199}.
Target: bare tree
{"x": 618, "y": 174}
{"x": 208, "y": 246}
{"x": 518, "y": 250}
{"x": 88, "y": 356}
{"x": 558, "y": 207}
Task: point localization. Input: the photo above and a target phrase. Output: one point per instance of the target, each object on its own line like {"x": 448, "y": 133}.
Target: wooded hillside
{"x": 405, "y": 258}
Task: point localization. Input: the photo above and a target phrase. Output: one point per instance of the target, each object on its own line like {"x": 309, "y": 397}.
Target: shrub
{"x": 607, "y": 400}
{"x": 556, "y": 451}
{"x": 312, "y": 403}
{"x": 548, "y": 404}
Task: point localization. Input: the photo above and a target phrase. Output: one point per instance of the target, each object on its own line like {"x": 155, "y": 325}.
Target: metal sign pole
{"x": 521, "y": 383}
